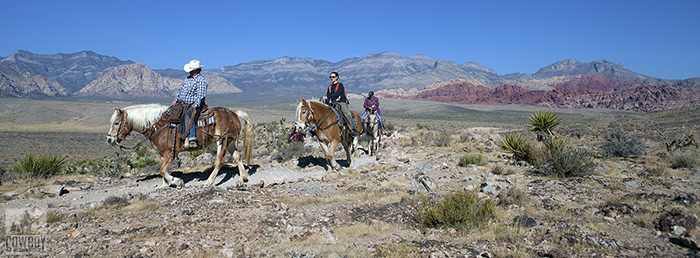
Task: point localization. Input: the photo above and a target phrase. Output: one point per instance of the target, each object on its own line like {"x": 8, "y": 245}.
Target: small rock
{"x": 74, "y": 233}
{"x": 150, "y": 243}
{"x": 525, "y": 221}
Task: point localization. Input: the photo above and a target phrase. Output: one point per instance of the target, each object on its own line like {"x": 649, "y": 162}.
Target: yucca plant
{"x": 556, "y": 144}
{"x": 517, "y": 144}
{"x": 44, "y": 165}
{"x": 543, "y": 122}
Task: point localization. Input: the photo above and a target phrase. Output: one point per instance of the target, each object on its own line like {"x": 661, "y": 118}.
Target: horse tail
{"x": 248, "y": 135}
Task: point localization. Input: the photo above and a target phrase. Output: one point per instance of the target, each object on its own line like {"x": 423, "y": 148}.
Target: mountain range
{"x": 85, "y": 74}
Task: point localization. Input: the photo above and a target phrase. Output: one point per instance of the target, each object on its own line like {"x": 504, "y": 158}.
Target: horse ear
{"x": 297, "y": 102}
{"x": 119, "y": 110}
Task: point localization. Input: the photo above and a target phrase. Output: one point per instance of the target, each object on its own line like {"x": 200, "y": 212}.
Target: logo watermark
{"x": 24, "y": 231}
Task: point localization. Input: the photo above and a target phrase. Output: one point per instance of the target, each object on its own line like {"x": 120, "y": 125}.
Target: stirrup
{"x": 192, "y": 144}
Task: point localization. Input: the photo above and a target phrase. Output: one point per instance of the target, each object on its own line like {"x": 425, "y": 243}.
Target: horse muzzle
{"x": 112, "y": 140}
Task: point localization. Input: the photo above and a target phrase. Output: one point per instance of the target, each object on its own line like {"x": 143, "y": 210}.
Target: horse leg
{"x": 220, "y": 152}
{"x": 329, "y": 155}
{"x": 348, "y": 153}
{"x": 167, "y": 178}
{"x": 241, "y": 168}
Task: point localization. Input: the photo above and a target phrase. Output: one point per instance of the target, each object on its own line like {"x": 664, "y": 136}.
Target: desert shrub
{"x": 44, "y": 165}
{"x": 422, "y": 127}
{"x": 685, "y": 159}
{"x": 442, "y": 139}
{"x": 103, "y": 167}
{"x": 461, "y": 210}
{"x": 288, "y": 151}
{"x": 619, "y": 144}
{"x": 568, "y": 162}
{"x": 141, "y": 149}
{"x": 476, "y": 159}
{"x": 144, "y": 162}
{"x": 517, "y": 144}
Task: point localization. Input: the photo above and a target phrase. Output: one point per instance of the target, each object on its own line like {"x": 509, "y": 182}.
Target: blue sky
{"x": 655, "y": 38}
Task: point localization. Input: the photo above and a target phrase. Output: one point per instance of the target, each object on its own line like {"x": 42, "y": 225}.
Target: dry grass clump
{"x": 392, "y": 250}
{"x": 514, "y": 196}
{"x": 437, "y": 139}
{"x": 537, "y": 153}
{"x": 688, "y": 158}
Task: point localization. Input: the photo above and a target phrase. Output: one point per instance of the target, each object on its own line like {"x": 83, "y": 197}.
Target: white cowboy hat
{"x": 194, "y": 64}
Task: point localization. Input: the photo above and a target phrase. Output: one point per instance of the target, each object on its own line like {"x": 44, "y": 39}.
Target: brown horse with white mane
{"x": 321, "y": 121}
{"x": 151, "y": 120}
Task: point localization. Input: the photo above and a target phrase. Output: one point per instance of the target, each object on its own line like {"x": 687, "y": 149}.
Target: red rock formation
{"x": 576, "y": 93}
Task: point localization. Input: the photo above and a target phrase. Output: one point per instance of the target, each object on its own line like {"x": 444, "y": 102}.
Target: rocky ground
{"x": 633, "y": 207}
{"x": 297, "y": 209}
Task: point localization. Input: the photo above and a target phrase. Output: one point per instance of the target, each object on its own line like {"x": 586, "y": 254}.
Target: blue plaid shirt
{"x": 192, "y": 90}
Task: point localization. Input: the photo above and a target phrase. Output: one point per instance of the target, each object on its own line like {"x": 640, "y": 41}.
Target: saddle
{"x": 177, "y": 119}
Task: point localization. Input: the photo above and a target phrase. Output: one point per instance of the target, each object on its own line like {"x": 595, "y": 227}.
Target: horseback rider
{"x": 372, "y": 103}
{"x": 336, "y": 96}
{"x": 192, "y": 92}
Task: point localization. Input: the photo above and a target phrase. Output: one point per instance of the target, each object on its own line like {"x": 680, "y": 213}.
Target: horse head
{"x": 120, "y": 127}
{"x": 304, "y": 114}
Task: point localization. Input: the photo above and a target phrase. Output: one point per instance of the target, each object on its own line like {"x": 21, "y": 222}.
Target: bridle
{"x": 123, "y": 125}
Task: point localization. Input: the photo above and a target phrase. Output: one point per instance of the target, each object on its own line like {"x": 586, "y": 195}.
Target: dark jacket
{"x": 336, "y": 92}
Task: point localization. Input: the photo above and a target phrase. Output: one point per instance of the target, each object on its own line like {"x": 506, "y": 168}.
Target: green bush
{"x": 143, "y": 162}
{"x": 517, "y": 144}
{"x": 685, "y": 159}
{"x": 476, "y": 159}
{"x": 619, "y": 144}
{"x": 461, "y": 210}
{"x": 44, "y": 165}
{"x": 568, "y": 162}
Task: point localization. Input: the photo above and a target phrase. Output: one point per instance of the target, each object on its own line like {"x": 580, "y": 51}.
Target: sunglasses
{"x": 332, "y": 76}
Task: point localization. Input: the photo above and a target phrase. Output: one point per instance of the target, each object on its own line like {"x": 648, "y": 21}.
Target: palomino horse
{"x": 322, "y": 122}
{"x": 371, "y": 128}
{"x": 151, "y": 120}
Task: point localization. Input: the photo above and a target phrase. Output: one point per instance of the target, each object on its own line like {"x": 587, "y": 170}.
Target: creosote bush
{"x": 44, "y": 165}
{"x": 568, "y": 162}
{"x": 619, "y": 144}
{"x": 461, "y": 210}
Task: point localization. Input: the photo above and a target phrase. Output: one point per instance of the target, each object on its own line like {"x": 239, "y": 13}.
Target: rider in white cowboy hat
{"x": 192, "y": 92}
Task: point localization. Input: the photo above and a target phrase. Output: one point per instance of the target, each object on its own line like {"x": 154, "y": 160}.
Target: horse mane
{"x": 298, "y": 113}
{"x": 143, "y": 116}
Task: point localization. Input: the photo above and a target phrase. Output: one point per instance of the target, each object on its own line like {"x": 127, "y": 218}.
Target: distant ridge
{"x": 72, "y": 71}
{"x": 89, "y": 74}
{"x": 17, "y": 83}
